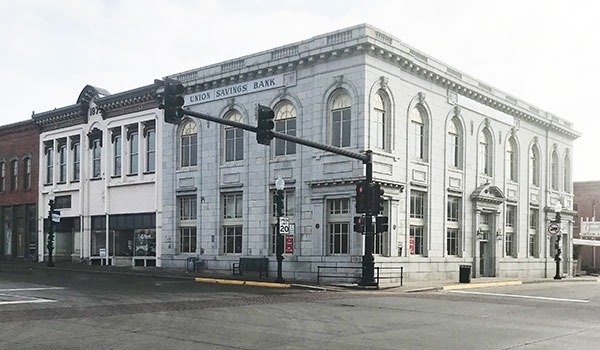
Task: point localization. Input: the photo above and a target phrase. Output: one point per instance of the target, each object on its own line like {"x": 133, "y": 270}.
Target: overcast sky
{"x": 543, "y": 52}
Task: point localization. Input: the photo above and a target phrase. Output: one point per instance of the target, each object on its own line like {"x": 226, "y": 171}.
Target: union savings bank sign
{"x": 252, "y": 86}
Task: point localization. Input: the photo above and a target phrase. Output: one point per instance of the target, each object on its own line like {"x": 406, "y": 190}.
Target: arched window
{"x": 340, "y": 114}
{"x": 418, "y": 120}
{"x": 381, "y": 130}
{"x": 14, "y": 175}
{"x": 27, "y": 173}
{"x": 534, "y": 165}
{"x": 234, "y": 139}
{"x": 554, "y": 170}
{"x": 512, "y": 160}
{"x": 188, "y": 155}
{"x": 567, "y": 174}
{"x": 2, "y": 176}
{"x": 485, "y": 152}
{"x": 285, "y": 122}
{"x": 455, "y": 143}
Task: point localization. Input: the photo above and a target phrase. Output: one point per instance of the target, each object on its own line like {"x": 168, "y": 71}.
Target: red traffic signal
{"x": 264, "y": 130}
{"x": 363, "y": 197}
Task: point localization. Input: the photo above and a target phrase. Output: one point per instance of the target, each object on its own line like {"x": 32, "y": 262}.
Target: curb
{"x": 481, "y": 285}
{"x": 240, "y": 282}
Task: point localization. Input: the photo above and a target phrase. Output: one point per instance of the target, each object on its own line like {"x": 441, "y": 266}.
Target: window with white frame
{"x": 96, "y": 158}
{"x": 453, "y": 225}
{"x": 117, "y": 152}
{"x": 340, "y": 114}
{"x": 232, "y": 223}
{"x": 418, "y": 121}
{"x": 150, "y": 150}
{"x": 511, "y": 160}
{"x": 485, "y": 152}
{"x": 510, "y": 234}
{"x": 455, "y": 143}
{"x": 285, "y": 123}
{"x": 534, "y": 220}
{"x": 134, "y": 150}
{"x": 417, "y": 233}
{"x": 234, "y": 139}
{"x": 289, "y": 207}
{"x": 188, "y": 145}
{"x": 62, "y": 162}
{"x": 567, "y": 174}
{"x": 49, "y": 165}
{"x": 534, "y": 165}
{"x": 338, "y": 226}
{"x": 554, "y": 170}
{"x": 381, "y": 120}
{"x": 187, "y": 214}
{"x": 76, "y": 157}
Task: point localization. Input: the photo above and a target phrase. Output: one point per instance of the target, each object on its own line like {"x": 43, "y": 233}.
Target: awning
{"x": 589, "y": 242}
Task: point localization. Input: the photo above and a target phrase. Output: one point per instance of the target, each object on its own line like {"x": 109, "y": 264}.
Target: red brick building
{"x": 19, "y": 156}
{"x": 587, "y": 226}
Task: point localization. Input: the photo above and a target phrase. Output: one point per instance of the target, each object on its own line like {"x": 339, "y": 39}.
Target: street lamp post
{"x": 557, "y": 259}
{"x": 279, "y": 186}
{"x": 50, "y": 244}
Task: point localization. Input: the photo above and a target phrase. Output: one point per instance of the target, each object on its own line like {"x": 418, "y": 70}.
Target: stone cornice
{"x": 129, "y": 101}
{"x": 367, "y": 40}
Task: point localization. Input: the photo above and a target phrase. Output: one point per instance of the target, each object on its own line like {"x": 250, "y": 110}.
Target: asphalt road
{"x": 80, "y": 310}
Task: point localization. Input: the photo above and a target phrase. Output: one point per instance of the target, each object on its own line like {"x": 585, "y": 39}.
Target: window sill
{"x": 95, "y": 178}
{"x": 149, "y": 172}
{"x": 132, "y": 175}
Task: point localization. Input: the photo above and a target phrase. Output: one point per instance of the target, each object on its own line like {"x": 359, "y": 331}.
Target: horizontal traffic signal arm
{"x": 344, "y": 152}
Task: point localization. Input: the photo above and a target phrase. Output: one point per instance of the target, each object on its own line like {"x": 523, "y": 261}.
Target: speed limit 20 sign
{"x": 284, "y": 225}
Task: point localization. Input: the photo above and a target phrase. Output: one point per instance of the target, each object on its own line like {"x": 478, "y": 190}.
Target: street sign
{"x": 554, "y": 228}
{"x": 56, "y": 216}
{"x": 284, "y": 225}
{"x": 289, "y": 244}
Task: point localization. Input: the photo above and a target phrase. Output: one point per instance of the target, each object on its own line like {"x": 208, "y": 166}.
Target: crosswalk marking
{"x": 520, "y": 296}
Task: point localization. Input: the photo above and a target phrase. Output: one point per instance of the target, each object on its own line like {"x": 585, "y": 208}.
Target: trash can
{"x": 191, "y": 264}
{"x": 465, "y": 274}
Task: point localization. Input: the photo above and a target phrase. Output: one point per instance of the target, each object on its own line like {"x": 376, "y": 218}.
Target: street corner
{"x": 481, "y": 285}
{"x": 242, "y": 282}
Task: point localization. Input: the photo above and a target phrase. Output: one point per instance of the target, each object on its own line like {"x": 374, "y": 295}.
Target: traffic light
{"x": 173, "y": 101}
{"x": 264, "y": 131}
{"x": 376, "y": 199}
{"x": 363, "y": 197}
{"x": 279, "y": 203}
{"x": 381, "y": 224}
{"x": 359, "y": 224}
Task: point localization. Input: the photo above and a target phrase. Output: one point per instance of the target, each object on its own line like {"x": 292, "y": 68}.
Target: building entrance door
{"x": 486, "y": 258}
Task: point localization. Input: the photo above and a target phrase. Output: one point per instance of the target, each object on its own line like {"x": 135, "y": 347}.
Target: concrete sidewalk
{"x": 252, "y": 280}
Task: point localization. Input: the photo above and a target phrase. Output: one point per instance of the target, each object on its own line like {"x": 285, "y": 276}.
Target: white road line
{"x": 29, "y": 289}
{"x": 521, "y": 296}
{"x": 27, "y": 301}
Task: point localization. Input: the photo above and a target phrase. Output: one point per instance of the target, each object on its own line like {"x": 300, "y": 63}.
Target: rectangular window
{"x": 151, "y": 151}
{"x": 509, "y": 243}
{"x": 341, "y": 127}
{"x": 133, "y": 153}
{"x": 286, "y": 126}
{"x": 419, "y": 130}
{"x": 509, "y": 239}
{"x": 533, "y": 219}
{"x": 96, "y": 159}
{"x": 232, "y": 223}
{"x": 533, "y": 245}
{"x": 453, "y": 208}
{"x": 187, "y": 239}
{"x": 49, "y": 165}
{"x": 289, "y": 203}
{"x": 416, "y": 240}
{"x": 452, "y": 241}
{"x": 533, "y": 232}
{"x": 186, "y": 221}
{"x": 338, "y": 226}
{"x": 76, "y": 160}
{"x": 510, "y": 215}
{"x": 62, "y": 163}
{"x": 417, "y": 204}
{"x": 234, "y": 144}
{"x": 453, "y": 149}
{"x": 117, "y": 155}
{"x": 187, "y": 208}
{"x": 232, "y": 239}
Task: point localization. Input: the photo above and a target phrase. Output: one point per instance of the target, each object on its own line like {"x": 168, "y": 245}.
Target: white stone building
{"x": 470, "y": 173}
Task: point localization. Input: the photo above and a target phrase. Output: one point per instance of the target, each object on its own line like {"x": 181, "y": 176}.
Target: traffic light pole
{"x": 368, "y": 261}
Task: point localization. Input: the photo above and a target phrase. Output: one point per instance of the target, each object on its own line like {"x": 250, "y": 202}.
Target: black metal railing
{"x": 333, "y": 272}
